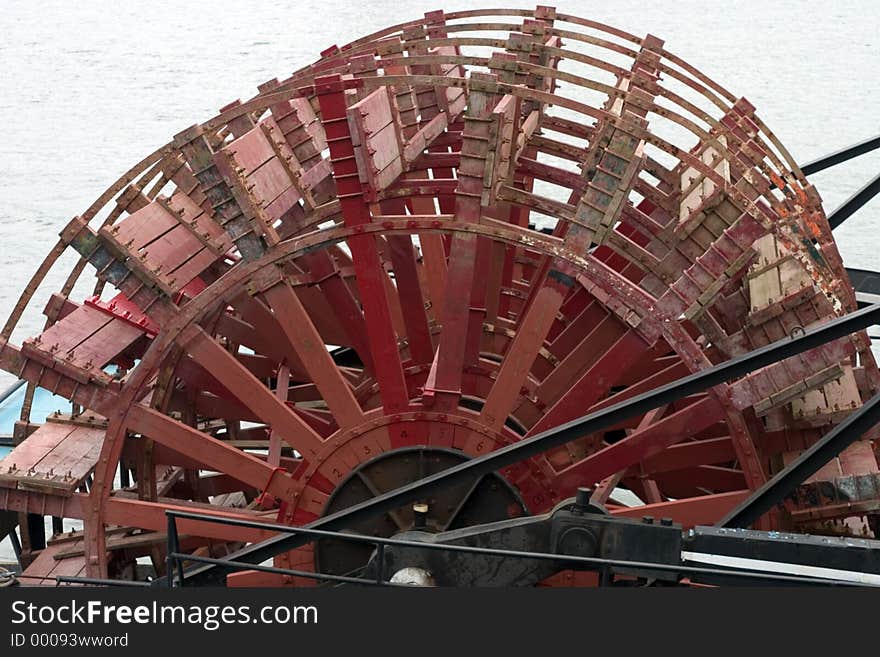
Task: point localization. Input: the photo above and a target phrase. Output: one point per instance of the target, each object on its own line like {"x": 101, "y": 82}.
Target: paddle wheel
{"x": 434, "y": 242}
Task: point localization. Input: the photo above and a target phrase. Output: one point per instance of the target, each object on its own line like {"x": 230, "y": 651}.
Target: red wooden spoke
{"x": 412, "y": 301}
{"x": 151, "y": 515}
{"x": 395, "y": 310}
{"x": 641, "y": 444}
{"x": 265, "y": 341}
{"x": 477, "y": 309}
{"x": 647, "y": 489}
{"x": 690, "y": 512}
{"x": 211, "y": 452}
{"x": 342, "y": 303}
{"x": 218, "y": 402}
{"x": 304, "y": 340}
{"x": 604, "y": 489}
{"x": 671, "y": 372}
{"x": 529, "y": 338}
{"x": 443, "y": 387}
{"x": 590, "y": 352}
{"x": 495, "y": 281}
{"x": 579, "y": 325}
{"x": 281, "y": 390}
{"x": 434, "y": 258}
{"x": 699, "y": 480}
{"x": 368, "y": 266}
{"x": 595, "y": 381}
{"x": 250, "y": 391}
{"x": 646, "y": 486}
{"x": 463, "y": 313}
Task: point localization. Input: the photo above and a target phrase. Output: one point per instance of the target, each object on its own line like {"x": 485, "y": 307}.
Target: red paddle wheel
{"x": 433, "y": 242}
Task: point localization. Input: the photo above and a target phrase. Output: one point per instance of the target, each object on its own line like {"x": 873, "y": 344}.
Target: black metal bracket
{"x": 861, "y": 197}
{"x": 600, "y": 542}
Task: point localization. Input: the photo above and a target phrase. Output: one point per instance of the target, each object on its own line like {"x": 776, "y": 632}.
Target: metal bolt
{"x": 420, "y": 515}
{"x": 582, "y": 500}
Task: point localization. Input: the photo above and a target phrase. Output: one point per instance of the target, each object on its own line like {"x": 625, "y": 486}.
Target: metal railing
{"x": 175, "y": 559}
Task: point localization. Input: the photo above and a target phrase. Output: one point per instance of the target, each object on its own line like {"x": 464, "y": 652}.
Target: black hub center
{"x": 486, "y": 499}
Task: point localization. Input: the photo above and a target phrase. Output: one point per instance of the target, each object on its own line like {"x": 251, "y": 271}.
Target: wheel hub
{"x": 486, "y": 499}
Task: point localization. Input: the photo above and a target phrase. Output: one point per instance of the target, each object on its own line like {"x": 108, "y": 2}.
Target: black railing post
{"x": 380, "y": 560}
{"x": 173, "y": 549}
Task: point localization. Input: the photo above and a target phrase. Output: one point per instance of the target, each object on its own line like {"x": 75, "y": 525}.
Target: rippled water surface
{"x": 89, "y": 88}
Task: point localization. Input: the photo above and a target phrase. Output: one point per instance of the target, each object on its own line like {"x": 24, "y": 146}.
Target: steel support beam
{"x": 856, "y": 555}
{"x": 854, "y": 203}
{"x": 555, "y": 437}
{"x": 864, "y": 280}
{"x": 841, "y": 156}
{"x": 864, "y": 299}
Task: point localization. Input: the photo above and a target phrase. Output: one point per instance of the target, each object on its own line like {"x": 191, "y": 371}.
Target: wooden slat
{"x": 30, "y": 451}
{"x": 530, "y": 336}
{"x": 697, "y": 186}
{"x": 142, "y": 227}
{"x": 208, "y": 231}
{"x": 159, "y": 239}
{"x": 56, "y": 456}
{"x": 71, "y": 331}
{"x": 377, "y": 140}
{"x": 43, "y": 570}
{"x": 106, "y": 344}
{"x": 642, "y": 444}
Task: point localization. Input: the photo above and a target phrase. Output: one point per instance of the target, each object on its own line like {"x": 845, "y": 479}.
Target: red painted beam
{"x": 521, "y": 353}
{"x": 641, "y": 444}
{"x": 703, "y": 510}
{"x": 130, "y": 512}
{"x": 364, "y": 252}
{"x": 691, "y": 454}
{"x": 594, "y": 382}
{"x": 236, "y": 378}
{"x": 215, "y": 454}
{"x": 304, "y": 340}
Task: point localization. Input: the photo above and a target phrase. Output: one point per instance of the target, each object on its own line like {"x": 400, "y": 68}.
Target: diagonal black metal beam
{"x": 697, "y": 382}
{"x": 854, "y": 203}
{"x": 863, "y": 299}
{"x": 864, "y": 280}
{"x": 807, "y": 464}
{"x": 844, "y": 154}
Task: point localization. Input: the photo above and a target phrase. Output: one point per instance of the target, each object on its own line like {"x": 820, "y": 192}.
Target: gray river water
{"x": 89, "y": 88}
